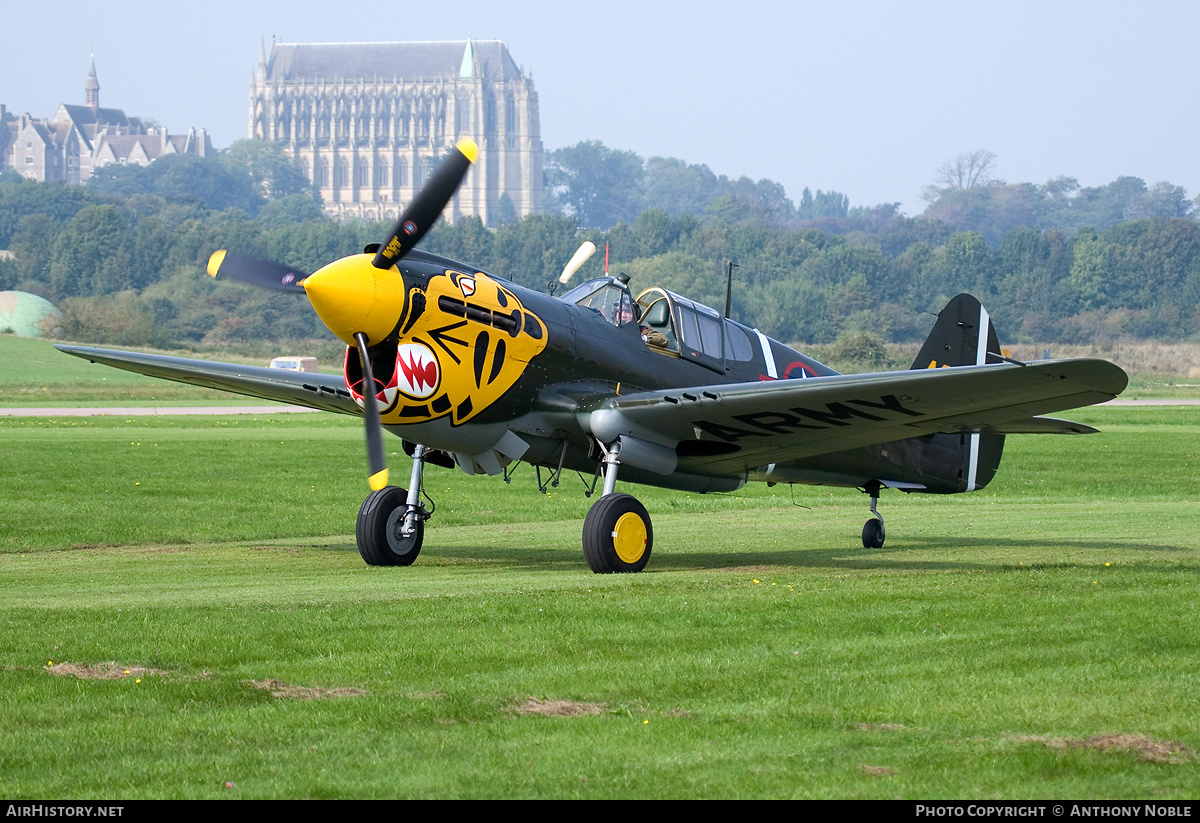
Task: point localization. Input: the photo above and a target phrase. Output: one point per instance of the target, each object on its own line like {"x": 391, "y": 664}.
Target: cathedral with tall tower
{"x": 369, "y": 122}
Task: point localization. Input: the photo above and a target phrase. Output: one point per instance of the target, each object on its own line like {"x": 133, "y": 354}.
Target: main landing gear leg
{"x": 617, "y": 534}
{"x": 414, "y": 514}
{"x": 873, "y": 531}
{"x": 391, "y": 522}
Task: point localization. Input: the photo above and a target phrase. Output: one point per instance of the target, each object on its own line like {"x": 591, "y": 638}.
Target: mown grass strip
{"x": 1037, "y": 639}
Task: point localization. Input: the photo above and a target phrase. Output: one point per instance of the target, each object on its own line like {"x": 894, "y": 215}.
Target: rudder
{"x": 964, "y": 336}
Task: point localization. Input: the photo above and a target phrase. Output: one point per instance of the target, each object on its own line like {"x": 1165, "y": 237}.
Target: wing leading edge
{"x": 732, "y": 429}
{"x": 315, "y": 391}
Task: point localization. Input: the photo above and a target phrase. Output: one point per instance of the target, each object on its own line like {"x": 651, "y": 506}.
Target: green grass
{"x": 764, "y": 652}
{"x": 34, "y": 373}
{"x": 1143, "y": 385}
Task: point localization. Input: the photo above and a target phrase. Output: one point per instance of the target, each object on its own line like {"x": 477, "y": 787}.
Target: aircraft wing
{"x": 729, "y": 429}
{"x": 316, "y": 391}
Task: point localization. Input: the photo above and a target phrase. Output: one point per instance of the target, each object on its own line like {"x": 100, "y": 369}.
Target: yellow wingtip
{"x": 378, "y": 480}
{"x": 214, "y": 262}
{"x": 469, "y": 149}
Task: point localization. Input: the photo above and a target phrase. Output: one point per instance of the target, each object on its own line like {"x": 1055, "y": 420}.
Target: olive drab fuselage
{"x": 475, "y": 356}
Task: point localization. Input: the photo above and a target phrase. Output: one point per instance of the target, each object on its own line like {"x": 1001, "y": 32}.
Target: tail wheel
{"x": 378, "y": 535}
{"x": 873, "y": 534}
{"x": 617, "y": 535}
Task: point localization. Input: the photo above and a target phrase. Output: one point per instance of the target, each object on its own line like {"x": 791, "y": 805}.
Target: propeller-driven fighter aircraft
{"x": 473, "y": 370}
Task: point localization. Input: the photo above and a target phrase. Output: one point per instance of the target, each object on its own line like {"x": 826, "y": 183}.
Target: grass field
{"x": 34, "y": 373}
{"x": 184, "y": 614}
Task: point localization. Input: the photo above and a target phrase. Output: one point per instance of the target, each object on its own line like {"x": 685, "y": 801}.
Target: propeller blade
{"x": 578, "y": 259}
{"x": 376, "y": 459}
{"x": 427, "y": 206}
{"x": 226, "y": 265}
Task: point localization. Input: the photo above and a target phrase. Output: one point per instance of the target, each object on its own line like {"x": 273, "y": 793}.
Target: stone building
{"x": 79, "y": 139}
{"x": 369, "y": 122}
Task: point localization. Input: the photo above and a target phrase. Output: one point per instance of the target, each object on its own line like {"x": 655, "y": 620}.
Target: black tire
{"x": 617, "y": 535}
{"x": 378, "y": 530}
{"x": 873, "y": 534}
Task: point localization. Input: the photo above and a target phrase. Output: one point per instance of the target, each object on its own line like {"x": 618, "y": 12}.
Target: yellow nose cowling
{"x": 350, "y": 295}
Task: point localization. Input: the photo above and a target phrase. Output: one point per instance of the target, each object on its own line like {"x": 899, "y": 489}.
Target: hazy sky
{"x": 866, "y": 98}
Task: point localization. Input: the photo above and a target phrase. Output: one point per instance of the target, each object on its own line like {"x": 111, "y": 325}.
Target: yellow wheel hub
{"x": 629, "y": 537}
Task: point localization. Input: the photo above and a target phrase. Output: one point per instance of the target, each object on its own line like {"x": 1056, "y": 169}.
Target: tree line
{"x": 123, "y": 257}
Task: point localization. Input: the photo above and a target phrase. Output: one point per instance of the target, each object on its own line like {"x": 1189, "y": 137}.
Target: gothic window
{"x": 510, "y": 114}
{"x": 489, "y": 116}
{"x": 462, "y": 115}
{"x": 423, "y": 112}
{"x": 381, "y": 173}
{"x": 401, "y": 173}
{"x": 401, "y": 115}
{"x": 323, "y": 173}
{"x": 439, "y": 118}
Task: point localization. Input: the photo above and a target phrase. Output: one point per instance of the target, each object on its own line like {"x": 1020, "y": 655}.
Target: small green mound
{"x": 22, "y": 313}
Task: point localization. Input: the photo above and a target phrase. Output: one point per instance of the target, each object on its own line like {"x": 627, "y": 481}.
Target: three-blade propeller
{"x": 360, "y": 303}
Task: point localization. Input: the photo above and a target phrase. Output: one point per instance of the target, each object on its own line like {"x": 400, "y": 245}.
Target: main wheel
{"x": 873, "y": 534}
{"x": 617, "y": 535}
{"x": 378, "y": 531}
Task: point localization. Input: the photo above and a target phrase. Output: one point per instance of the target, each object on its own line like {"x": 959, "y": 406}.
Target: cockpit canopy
{"x": 607, "y": 296}
{"x": 670, "y": 323}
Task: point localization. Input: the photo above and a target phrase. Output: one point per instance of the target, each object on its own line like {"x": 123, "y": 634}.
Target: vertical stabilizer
{"x": 962, "y": 336}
